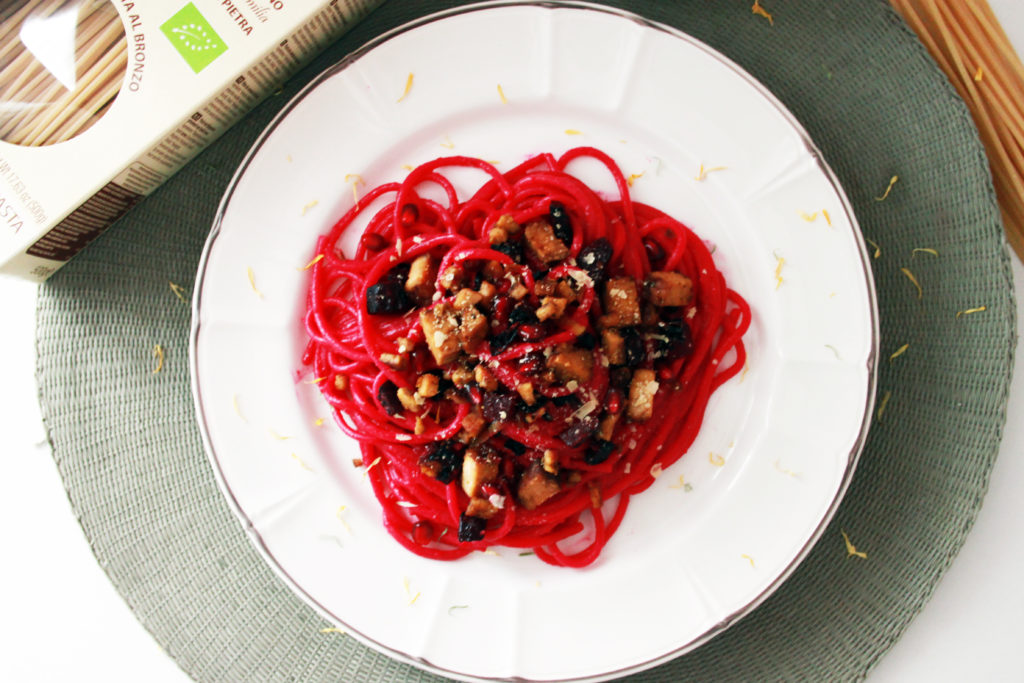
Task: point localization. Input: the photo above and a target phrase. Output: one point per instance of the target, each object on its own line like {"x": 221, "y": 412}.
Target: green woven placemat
{"x": 126, "y": 443}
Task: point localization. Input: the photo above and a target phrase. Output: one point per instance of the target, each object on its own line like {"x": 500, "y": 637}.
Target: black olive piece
{"x": 471, "y": 528}
{"x": 567, "y": 400}
{"x": 655, "y": 254}
{"x": 497, "y": 407}
{"x": 579, "y": 432}
{"x": 521, "y": 314}
{"x": 514, "y": 250}
{"x": 502, "y": 340}
{"x": 387, "y": 296}
{"x": 538, "y": 403}
{"x": 388, "y": 397}
{"x": 620, "y": 379}
{"x": 598, "y": 452}
{"x": 594, "y": 257}
{"x": 446, "y": 455}
{"x": 515, "y": 447}
{"x": 634, "y": 346}
{"x": 673, "y": 339}
{"x": 478, "y": 280}
{"x": 560, "y": 222}
{"x": 586, "y": 341}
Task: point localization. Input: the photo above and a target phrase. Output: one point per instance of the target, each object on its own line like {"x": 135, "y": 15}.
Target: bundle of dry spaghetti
{"x": 968, "y": 43}
{"x": 62, "y": 63}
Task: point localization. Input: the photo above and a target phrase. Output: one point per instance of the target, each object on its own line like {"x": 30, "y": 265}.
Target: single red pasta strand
{"x": 346, "y": 341}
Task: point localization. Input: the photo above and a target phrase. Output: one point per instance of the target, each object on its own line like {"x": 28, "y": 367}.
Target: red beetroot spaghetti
{"x": 500, "y": 359}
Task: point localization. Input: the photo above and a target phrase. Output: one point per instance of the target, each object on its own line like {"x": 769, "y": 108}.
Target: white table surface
{"x": 61, "y": 619}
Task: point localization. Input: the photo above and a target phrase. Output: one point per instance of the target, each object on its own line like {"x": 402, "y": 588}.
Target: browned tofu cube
{"x": 422, "y": 276}
{"x": 526, "y": 393}
{"x": 665, "y": 288}
{"x": 452, "y": 278}
{"x": 544, "y": 287}
{"x": 397, "y": 361}
{"x": 614, "y": 346}
{"x": 536, "y": 486}
{"x": 497, "y": 236}
{"x": 472, "y": 328}
{"x": 621, "y": 303}
{"x": 478, "y": 468}
{"x": 409, "y": 400}
{"x": 480, "y": 507}
{"x": 508, "y": 224}
{"x": 551, "y": 307}
{"x": 642, "y": 389}
{"x": 570, "y": 363}
{"x": 466, "y": 298}
{"x": 461, "y": 375}
{"x": 473, "y": 424}
{"x": 541, "y": 240}
{"x": 487, "y": 292}
{"x": 565, "y": 290}
{"x": 493, "y": 271}
{"x": 550, "y": 462}
{"x": 440, "y": 330}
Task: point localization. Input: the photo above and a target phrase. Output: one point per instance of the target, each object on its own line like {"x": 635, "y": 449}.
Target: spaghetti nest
{"x": 503, "y": 361}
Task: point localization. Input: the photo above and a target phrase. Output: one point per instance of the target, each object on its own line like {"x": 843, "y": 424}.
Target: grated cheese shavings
{"x": 158, "y": 353}
{"x": 252, "y": 282}
{"x": 371, "y": 466}
{"x": 749, "y": 559}
{"x": 851, "y": 550}
{"x": 501, "y": 94}
{"x": 703, "y": 172}
{"x": 340, "y": 518}
{"x": 656, "y": 470}
{"x": 899, "y": 352}
{"x": 810, "y": 218}
{"x": 448, "y": 144}
{"x": 716, "y": 459}
{"x": 746, "y": 369}
{"x": 356, "y": 180}
{"x": 779, "y": 263}
{"x": 762, "y": 12}
{"x": 882, "y": 405}
{"x": 885, "y": 195}
{"x": 780, "y": 468}
{"x": 408, "y": 87}
{"x": 923, "y": 250}
{"x": 910, "y": 276}
{"x": 971, "y": 311}
{"x": 178, "y": 291}
{"x": 680, "y": 485}
{"x": 308, "y": 206}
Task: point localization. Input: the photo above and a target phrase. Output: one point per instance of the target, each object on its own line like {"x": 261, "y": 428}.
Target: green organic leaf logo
{"x": 194, "y": 39}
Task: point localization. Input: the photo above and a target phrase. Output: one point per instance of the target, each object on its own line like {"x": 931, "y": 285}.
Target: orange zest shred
{"x": 851, "y": 550}
{"x": 319, "y": 257}
{"x": 680, "y": 485}
{"x": 762, "y": 12}
{"x": 633, "y": 178}
{"x": 979, "y": 74}
{"x": 371, "y": 466}
{"x": 749, "y": 559}
{"x": 332, "y": 629}
{"x": 252, "y": 282}
{"x": 319, "y": 422}
{"x": 573, "y": 131}
{"x": 779, "y": 263}
{"x": 356, "y": 180}
{"x": 501, "y": 94}
{"x": 910, "y": 276}
{"x": 810, "y": 218}
{"x": 158, "y": 353}
{"x": 716, "y": 459}
{"x": 746, "y": 369}
{"x": 828, "y": 219}
{"x": 341, "y": 518}
{"x": 309, "y": 205}
{"x": 780, "y": 468}
{"x": 923, "y": 250}
{"x": 899, "y": 352}
{"x": 878, "y": 249}
{"x": 885, "y": 195}
{"x": 234, "y": 405}
{"x": 408, "y": 87}
{"x": 178, "y": 290}
{"x": 448, "y": 144}
{"x": 277, "y": 436}
{"x": 970, "y": 311}
{"x": 882, "y": 405}
{"x": 702, "y": 173}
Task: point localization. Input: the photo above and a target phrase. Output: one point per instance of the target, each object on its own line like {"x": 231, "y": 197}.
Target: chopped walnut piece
{"x": 404, "y": 345}
{"x": 518, "y": 291}
{"x": 427, "y": 385}
{"x": 565, "y": 290}
{"x": 666, "y": 288}
{"x": 571, "y": 364}
{"x": 480, "y": 507}
{"x": 607, "y": 426}
{"x": 614, "y": 346}
{"x": 642, "y": 389}
{"x": 526, "y": 393}
{"x": 473, "y": 424}
{"x": 340, "y": 382}
{"x": 420, "y": 282}
{"x": 536, "y": 486}
{"x": 440, "y": 329}
{"x": 551, "y": 307}
{"x": 485, "y": 378}
{"x": 493, "y": 270}
{"x": 461, "y": 376}
{"x": 497, "y": 236}
{"x": 479, "y": 467}
{"x": 508, "y": 224}
{"x": 621, "y": 303}
{"x": 409, "y": 400}
{"x": 541, "y": 240}
{"x": 550, "y": 462}
{"x": 466, "y": 298}
{"x": 396, "y": 361}
{"x": 487, "y": 292}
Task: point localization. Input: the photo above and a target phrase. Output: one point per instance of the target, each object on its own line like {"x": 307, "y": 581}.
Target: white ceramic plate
{"x": 717, "y": 533}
